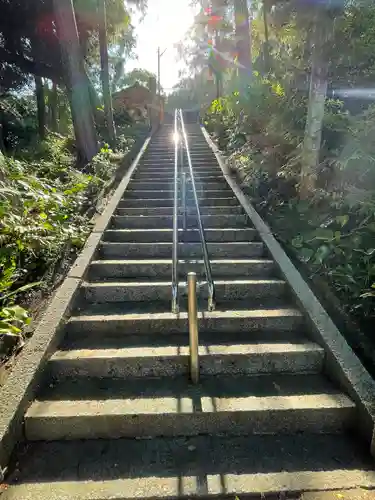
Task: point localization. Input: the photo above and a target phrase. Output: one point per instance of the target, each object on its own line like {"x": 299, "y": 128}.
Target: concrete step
{"x": 179, "y": 340}
{"x": 168, "y": 166}
{"x": 163, "y": 202}
{"x": 172, "y": 360}
{"x": 189, "y": 235}
{"x": 149, "y": 222}
{"x": 110, "y": 269}
{"x": 274, "y": 467}
{"x": 157, "y": 184}
{"x": 158, "y": 176}
{"x": 155, "y": 211}
{"x": 169, "y": 170}
{"x": 112, "y": 320}
{"x": 195, "y": 153}
{"x": 225, "y": 235}
{"x": 109, "y": 250}
{"x": 197, "y": 161}
{"x": 267, "y": 404}
{"x": 197, "y": 150}
{"x": 133, "y": 291}
{"x": 150, "y": 174}
{"x": 202, "y": 145}
{"x": 169, "y": 194}
{"x": 169, "y": 176}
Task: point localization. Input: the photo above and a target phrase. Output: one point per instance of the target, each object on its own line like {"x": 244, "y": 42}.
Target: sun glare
{"x": 164, "y": 25}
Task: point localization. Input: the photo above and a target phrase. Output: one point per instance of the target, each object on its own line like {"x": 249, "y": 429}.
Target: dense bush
{"x": 261, "y": 131}
{"x": 43, "y": 212}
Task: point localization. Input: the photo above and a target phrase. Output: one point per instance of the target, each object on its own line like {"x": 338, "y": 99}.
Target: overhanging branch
{"x": 28, "y": 66}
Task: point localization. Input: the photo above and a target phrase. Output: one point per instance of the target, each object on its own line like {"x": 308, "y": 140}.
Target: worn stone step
{"x": 274, "y": 467}
{"x": 132, "y": 291}
{"x": 159, "y": 184}
{"x": 201, "y": 146}
{"x": 200, "y": 186}
{"x": 197, "y": 160}
{"x": 190, "y": 210}
{"x": 268, "y": 404}
{"x": 197, "y": 150}
{"x": 189, "y": 235}
{"x": 169, "y": 153}
{"x": 161, "y": 176}
{"x": 170, "y": 361}
{"x": 169, "y": 171}
{"x": 210, "y": 176}
{"x": 169, "y": 160}
{"x": 112, "y": 320}
{"x": 168, "y": 167}
{"x": 179, "y": 340}
{"x": 164, "y": 202}
{"x": 109, "y": 250}
{"x": 165, "y": 193}
{"x": 109, "y": 269}
{"x": 165, "y": 221}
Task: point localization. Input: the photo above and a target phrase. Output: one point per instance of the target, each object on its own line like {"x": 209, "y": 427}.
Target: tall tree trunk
{"x": 41, "y": 107}
{"x": 243, "y": 38}
{"x": 95, "y": 102}
{"x": 2, "y": 143}
{"x": 83, "y": 121}
{"x": 316, "y": 105}
{"x": 108, "y": 110}
{"x": 267, "y": 57}
{"x": 53, "y": 108}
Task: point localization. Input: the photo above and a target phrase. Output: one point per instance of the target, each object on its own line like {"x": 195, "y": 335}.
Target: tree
{"x": 137, "y": 75}
{"x": 243, "y": 39}
{"x": 75, "y": 80}
{"x": 107, "y": 98}
{"x": 316, "y": 103}
{"x": 30, "y": 48}
{"x": 53, "y": 105}
{"x": 41, "y": 107}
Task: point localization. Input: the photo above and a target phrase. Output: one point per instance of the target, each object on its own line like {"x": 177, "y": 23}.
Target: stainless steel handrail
{"x": 206, "y": 259}
{"x": 178, "y": 144}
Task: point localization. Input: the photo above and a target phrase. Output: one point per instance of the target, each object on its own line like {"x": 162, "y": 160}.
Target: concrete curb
{"x": 342, "y": 365}
{"x": 22, "y": 383}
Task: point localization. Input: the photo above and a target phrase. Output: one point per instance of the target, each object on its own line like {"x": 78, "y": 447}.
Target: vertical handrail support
{"x": 193, "y": 327}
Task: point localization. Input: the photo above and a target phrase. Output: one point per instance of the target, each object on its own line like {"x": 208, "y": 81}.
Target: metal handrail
{"x": 206, "y": 259}
{"x": 175, "y": 307}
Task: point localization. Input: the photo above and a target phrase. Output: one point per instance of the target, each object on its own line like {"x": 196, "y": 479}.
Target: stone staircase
{"x": 263, "y": 418}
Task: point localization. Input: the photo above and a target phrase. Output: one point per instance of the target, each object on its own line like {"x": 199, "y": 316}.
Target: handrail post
{"x": 193, "y": 327}
{"x": 184, "y": 201}
{"x": 175, "y": 307}
{"x": 211, "y": 297}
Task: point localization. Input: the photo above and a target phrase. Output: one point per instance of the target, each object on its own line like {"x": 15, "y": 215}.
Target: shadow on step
{"x": 96, "y": 389}
{"x": 207, "y": 460}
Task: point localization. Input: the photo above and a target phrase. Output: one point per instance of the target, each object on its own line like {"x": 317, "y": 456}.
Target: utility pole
{"x": 159, "y": 57}
{"x": 160, "y": 54}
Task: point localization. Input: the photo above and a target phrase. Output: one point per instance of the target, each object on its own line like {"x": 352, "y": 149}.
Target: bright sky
{"x": 165, "y": 24}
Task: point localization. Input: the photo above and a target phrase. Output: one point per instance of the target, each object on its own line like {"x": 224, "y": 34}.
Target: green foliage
{"x": 337, "y": 242}
{"x": 260, "y": 129}
{"x": 42, "y": 203}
